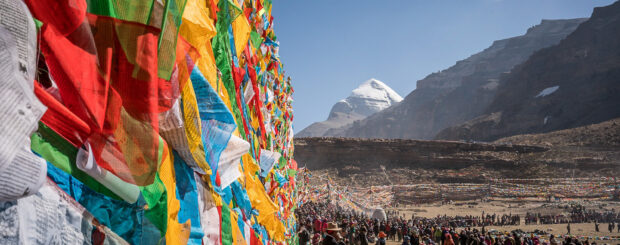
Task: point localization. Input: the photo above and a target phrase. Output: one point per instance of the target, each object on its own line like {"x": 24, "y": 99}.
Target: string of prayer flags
{"x": 147, "y": 121}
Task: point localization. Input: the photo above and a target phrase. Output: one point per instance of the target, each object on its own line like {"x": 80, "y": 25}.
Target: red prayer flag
{"x": 106, "y": 73}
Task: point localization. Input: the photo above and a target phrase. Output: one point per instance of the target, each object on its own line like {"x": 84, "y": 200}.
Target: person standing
{"x": 517, "y": 239}
{"x": 596, "y": 224}
{"x": 362, "y": 238}
{"x": 304, "y": 235}
{"x": 381, "y": 240}
{"x": 553, "y": 241}
{"x": 406, "y": 240}
{"x": 316, "y": 239}
{"x": 332, "y": 236}
{"x": 415, "y": 239}
{"x": 324, "y": 225}
{"x": 568, "y": 228}
{"x": 317, "y": 225}
{"x": 448, "y": 240}
{"x": 351, "y": 233}
{"x": 437, "y": 234}
{"x": 376, "y": 228}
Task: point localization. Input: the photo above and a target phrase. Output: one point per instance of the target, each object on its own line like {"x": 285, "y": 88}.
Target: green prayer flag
{"x": 62, "y": 154}
{"x": 223, "y": 57}
{"x": 226, "y": 228}
{"x": 156, "y": 198}
{"x": 256, "y": 39}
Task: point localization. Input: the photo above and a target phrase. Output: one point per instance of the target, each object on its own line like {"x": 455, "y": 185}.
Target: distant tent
{"x": 379, "y": 214}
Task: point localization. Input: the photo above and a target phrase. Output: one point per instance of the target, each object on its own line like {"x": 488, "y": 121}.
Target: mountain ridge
{"x": 459, "y": 93}
{"x": 572, "y": 84}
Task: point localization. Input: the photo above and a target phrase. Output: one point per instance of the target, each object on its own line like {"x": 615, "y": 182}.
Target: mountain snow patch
{"x": 547, "y": 91}
{"x": 370, "y": 97}
{"x": 376, "y": 90}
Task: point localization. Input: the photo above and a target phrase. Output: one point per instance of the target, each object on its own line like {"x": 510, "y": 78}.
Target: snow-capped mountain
{"x": 464, "y": 91}
{"x": 370, "y": 97}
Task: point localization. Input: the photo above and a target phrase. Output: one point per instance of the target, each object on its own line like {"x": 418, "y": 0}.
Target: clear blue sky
{"x": 329, "y": 47}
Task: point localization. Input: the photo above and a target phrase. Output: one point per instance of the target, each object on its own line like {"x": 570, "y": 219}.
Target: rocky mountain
{"x": 459, "y": 93}
{"x": 574, "y": 83}
{"x": 370, "y": 97}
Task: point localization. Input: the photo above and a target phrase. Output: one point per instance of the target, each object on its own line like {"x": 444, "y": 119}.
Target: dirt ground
{"x": 521, "y": 207}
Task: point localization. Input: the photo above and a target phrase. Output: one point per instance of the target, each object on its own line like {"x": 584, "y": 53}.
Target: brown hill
{"x": 605, "y": 134}
{"x": 589, "y": 151}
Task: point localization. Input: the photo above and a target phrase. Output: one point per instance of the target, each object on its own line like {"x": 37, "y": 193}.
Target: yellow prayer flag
{"x": 241, "y": 33}
{"x": 193, "y": 131}
{"x": 176, "y": 233}
{"x": 236, "y": 232}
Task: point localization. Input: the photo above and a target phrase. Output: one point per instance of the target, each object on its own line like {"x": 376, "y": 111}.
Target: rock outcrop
{"x": 591, "y": 151}
{"x": 459, "y": 93}
{"x": 370, "y": 97}
{"x": 324, "y": 152}
{"x": 555, "y": 154}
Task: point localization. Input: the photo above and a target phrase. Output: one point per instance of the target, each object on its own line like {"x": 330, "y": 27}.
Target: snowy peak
{"x": 370, "y": 97}
{"x": 375, "y": 89}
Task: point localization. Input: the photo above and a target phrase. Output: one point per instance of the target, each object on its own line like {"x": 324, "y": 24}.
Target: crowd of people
{"x": 326, "y": 223}
{"x": 578, "y": 214}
